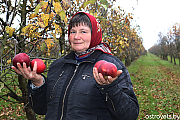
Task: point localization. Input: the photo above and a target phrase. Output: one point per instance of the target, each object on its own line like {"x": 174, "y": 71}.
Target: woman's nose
{"x": 77, "y": 36}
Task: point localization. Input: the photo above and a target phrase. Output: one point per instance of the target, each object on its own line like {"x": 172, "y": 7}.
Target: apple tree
{"x": 168, "y": 44}
{"x": 37, "y": 28}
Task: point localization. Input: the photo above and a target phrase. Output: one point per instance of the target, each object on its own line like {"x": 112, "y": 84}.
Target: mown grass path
{"x": 157, "y": 86}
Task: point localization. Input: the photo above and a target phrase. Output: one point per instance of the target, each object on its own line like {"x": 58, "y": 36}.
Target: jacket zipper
{"x": 107, "y": 97}
{"x": 66, "y": 91}
{"x": 57, "y": 80}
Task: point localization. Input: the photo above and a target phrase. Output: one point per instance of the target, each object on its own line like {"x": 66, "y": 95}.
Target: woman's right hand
{"x": 28, "y": 73}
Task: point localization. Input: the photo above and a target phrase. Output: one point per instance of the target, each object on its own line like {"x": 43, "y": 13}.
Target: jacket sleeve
{"x": 37, "y": 98}
{"x": 120, "y": 97}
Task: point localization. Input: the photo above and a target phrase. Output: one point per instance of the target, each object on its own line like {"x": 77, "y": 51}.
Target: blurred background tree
{"x": 168, "y": 45}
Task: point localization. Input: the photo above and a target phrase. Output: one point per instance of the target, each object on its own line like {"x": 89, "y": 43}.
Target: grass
{"x": 156, "y": 84}
{"x": 8, "y": 109}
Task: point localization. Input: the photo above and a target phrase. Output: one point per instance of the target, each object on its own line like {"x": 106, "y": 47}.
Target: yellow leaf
{"x": 25, "y": 29}
{"x": 41, "y": 24}
{"x": 51, "y": 15}
{"x": 45, "y": 18}
{"x": 94, "y": 14}
{"x": 49, "y": 43}
{"x": 58, "y": 29}
{"x": 9, "y": 30}
{"x": 32, "y": 33}
{"x": 121, "y": 42}
{"x": 9, "y": 61}
{"x": 66, "y": 20}
{"x": 57, "y": 7}
{"x": 120, "y": 49}
{"x": 38, "y": 46}
{"x": 32, "y": 16}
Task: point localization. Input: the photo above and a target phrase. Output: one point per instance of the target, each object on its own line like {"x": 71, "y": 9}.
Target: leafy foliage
{"x": 168, "y": 45}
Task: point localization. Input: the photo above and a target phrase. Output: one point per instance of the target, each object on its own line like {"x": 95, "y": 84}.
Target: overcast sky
{"x": 153, "y": 16}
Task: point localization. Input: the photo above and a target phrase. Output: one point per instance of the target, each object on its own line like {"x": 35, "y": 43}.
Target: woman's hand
{"x": 28, "y": 73}
{"x": 100, "y": 79}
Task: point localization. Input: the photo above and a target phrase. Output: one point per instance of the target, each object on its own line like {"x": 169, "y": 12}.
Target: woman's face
{"x": 80, "y": 37}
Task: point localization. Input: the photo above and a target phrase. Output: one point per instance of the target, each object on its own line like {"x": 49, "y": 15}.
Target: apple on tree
{"x": 40, "y": 65}
{"x": 20, "y": 58}
{"x": 106, "y": 68}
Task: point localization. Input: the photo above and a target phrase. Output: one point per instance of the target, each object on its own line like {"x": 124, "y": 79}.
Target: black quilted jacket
{"x": 71, "y": 92}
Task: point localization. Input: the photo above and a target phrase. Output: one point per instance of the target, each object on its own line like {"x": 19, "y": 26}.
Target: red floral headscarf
{"x": 96, "y": 36}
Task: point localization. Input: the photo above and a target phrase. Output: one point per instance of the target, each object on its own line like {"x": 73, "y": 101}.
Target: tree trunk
{"x": 22, "y": 81}
{"x": 166, "y": 58}
{"x": 171, "y": 58}
{"x": 127, "y": 61}
{"x": 23, "y": 87}
{"x": 174, "y": 61}
{"x": 62, "y": 41}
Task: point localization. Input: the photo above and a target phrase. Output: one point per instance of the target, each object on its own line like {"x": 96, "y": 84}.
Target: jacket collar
{"x": 71, "y": 56}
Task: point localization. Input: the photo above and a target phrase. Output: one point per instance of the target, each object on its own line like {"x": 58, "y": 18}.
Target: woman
{"x": 73, "y": 88}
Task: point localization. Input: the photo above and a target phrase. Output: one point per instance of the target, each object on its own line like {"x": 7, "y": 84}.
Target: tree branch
{"x": 6, "y": 95}
{"x": 13, "y": 94}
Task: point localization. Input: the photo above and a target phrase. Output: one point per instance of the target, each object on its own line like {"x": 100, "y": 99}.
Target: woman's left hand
{"x": 101, "y": 80}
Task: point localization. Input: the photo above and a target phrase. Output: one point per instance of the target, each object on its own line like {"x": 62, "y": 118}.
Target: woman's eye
{"x": 83, "y": 31}
{"x": 72, "y": 32}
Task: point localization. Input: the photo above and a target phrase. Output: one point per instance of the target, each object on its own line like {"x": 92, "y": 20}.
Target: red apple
{"x": 99, "y": 63}
{"x": 20, "y": 58}
{"x": 40, "y": 65}
{"x": 107, "y": 69}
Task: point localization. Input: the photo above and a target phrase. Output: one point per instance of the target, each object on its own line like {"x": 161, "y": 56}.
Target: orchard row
{"x": 168, "y": 45}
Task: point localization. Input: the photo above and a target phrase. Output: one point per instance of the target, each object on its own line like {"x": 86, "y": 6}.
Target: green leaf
{"x": 104, "y": 6}
{"x": 39, "y": 6}
{"x": 62, "y": 14}
{"x": 86, "y": 3}
{"x": 92, "y": 1}
{"x": 37, "y": 9}
{"x": 43, "y": 46}
{"x": 104, "y": 3}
